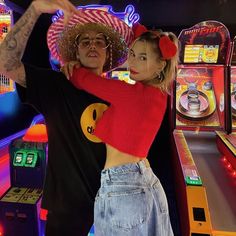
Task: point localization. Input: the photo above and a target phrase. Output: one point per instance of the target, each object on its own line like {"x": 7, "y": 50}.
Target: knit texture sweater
{"x": 134, "y": 116}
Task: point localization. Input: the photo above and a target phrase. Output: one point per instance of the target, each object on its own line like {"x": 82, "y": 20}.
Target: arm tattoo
{"x": 13, "y": 47}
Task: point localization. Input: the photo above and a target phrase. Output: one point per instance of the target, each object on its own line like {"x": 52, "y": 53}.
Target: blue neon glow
{"x": 9, "y": 104}
{"x": 6, "y": 141}
{"x": 4, "y": 9}
{"x": 37, "y": 120}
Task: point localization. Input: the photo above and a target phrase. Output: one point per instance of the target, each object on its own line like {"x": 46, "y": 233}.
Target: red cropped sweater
{"x": 134, "y": 116}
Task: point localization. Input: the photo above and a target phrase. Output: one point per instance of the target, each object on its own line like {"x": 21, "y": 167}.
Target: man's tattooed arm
{"x": 13, "y": 46}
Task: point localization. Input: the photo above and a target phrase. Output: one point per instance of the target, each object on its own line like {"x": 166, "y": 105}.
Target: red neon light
{"x": 1, "y": 230}
{"x": 43, "y": 214}
{"x": 228, "y": 166}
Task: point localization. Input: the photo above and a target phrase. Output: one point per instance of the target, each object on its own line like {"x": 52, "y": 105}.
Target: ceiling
{"x": 169, "y": 14}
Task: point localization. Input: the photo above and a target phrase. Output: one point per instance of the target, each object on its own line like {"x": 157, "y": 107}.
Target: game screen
{"x": 18, "y": 159}
{"x": 206, "y": 42}
{"x": 5, "y": 21}
{"x": 122, "y": 75}
{"x": 25, "y": 159}
{"x": 31, "y": 160}
{"x": 201, "y": 53}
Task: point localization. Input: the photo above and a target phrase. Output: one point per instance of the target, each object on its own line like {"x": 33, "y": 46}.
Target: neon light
{"x": 1, "y": 230}
{"x": 132, "y": 17}
{"x": 43, "y": 214}
{"x": 229, "y": 167}
{"x": 6, "y": 141}
{"x": 37, "y": 119}
{"x": 4, "y": 9}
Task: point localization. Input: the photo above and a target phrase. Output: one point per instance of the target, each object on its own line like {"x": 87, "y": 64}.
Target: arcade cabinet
{"x": 205, "y": 192}
{"x": 226, "y": 142}
{"x": 20, "y": 204}
{"x": 6, "y": 85}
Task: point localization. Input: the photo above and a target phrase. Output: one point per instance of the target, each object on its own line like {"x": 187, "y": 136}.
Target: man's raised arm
{"x": 13, "y": 46}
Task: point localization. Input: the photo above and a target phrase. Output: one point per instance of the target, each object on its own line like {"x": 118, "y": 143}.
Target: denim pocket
{"x": 127, "y": 208}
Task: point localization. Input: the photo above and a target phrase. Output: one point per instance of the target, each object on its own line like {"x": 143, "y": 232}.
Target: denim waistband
{"x": 140, "y": 167}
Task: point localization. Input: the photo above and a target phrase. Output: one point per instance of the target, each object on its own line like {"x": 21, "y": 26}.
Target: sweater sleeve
{"x": 109, "y": 90}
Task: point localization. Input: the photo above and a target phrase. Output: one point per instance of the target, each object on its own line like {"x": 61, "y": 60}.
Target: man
{"x": 75, "y": 155}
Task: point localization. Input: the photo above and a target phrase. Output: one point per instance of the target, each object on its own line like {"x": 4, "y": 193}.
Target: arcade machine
{"x": 6, "y": 85}
{"x": 121, "y": 74}
{"x": 7, "y": 101}
{"x": 226, "y": 142}
{"x": 205, "y": 192}
{"x": 4, "y": 154}
{"x": 20, "y": 204}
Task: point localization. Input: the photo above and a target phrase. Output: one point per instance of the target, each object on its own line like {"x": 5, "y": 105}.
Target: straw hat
{"x": 61, "y": 39}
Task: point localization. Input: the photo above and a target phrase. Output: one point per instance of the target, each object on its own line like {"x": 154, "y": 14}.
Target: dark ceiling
{"x": 169, "y": 15}
{"x": 165, "y": 13}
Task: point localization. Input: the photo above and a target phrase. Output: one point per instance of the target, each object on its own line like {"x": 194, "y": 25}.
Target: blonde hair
{"x": 168, "y": 74}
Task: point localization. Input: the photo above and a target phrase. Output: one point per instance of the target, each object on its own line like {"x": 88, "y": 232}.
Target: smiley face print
{"x": 88, "y": 120}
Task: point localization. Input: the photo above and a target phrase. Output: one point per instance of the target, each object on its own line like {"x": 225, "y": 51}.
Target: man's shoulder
{"x": 36, "y": 70}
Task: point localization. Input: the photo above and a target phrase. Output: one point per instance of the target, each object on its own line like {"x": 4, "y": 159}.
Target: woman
{"x": 131, "y": 200}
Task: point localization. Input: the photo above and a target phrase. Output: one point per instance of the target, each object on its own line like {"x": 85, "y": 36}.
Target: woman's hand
{"x": 67, "y": 68}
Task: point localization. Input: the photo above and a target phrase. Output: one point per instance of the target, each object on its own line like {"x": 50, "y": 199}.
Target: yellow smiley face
{"x": 88, "y": 120}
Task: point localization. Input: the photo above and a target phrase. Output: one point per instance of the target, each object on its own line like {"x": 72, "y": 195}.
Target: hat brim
{"x": 61, "y": 39}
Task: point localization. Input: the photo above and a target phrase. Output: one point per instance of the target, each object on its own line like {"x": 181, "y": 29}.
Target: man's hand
{"x": 51, "y": 6}
{"x": 68, "y": 68}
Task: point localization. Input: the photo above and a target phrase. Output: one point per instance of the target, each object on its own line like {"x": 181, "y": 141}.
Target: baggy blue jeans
{"x": 131, "y": 202}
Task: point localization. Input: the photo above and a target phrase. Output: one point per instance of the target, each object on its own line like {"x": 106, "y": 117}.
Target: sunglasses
{"x": 100, "y": 41}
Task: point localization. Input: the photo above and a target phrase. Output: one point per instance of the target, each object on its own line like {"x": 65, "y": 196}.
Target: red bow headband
{"x": 167, "y": 47}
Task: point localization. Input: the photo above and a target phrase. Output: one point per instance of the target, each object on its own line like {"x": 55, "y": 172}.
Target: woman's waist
{"x": 117, "y": 158}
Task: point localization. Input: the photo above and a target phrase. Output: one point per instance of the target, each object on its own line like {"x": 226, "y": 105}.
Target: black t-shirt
{"x": 74, "y": 160}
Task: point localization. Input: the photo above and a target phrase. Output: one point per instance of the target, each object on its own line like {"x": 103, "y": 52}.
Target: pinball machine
{"x": 205, "y": 192}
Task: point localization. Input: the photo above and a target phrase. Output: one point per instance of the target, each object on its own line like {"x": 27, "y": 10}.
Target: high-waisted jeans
{"x": 131, "y": 202}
